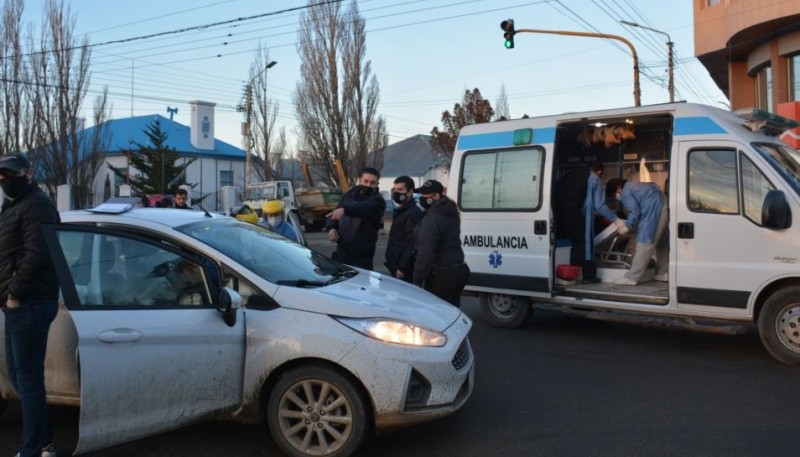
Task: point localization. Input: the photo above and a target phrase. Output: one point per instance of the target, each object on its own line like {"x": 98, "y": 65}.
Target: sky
{"x": 424, "y": 53}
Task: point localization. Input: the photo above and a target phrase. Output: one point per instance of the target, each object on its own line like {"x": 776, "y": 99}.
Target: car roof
{"x": 167, "y": 217}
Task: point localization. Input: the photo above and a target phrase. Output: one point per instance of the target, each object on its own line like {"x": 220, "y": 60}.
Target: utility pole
{"x": 247, "y": 131}
{"x": 510, "y": 31}
{"x": 670, "y": 57}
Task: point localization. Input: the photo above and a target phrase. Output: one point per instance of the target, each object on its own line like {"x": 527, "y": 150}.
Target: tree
{"x": 501, "y": 112}
{"x": 270, "y": 146}
{"x": 474, "y": 110}
{"x": 337, "y": 98}
{"x": 60, "y": 149}
{"x": 13, "y": 70}
{"x": 157, "y": 164}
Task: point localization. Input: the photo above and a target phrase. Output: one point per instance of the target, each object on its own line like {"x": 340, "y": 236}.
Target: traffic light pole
{"x": 636, "y": 90}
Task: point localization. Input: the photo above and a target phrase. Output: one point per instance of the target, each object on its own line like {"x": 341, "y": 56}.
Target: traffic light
{"x": 508, "y": 32}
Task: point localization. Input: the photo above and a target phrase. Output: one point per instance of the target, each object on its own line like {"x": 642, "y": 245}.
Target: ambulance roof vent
{"x": 771, "y": 124}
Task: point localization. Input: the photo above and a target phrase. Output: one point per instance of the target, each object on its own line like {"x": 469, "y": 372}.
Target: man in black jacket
{"x": 28, "y": 295}
{"x": 439, "y": 267}
{"x": 354, "y": 224}
{"x": 400, "y": 247}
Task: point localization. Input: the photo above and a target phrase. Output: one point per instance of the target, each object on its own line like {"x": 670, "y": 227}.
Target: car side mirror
{"x": 775, "y": 212}
{"x": 229, "y": 301}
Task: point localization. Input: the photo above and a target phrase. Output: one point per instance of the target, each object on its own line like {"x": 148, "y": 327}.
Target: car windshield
{"x": 783, "y": 159}
{"x": 270, "y": 256}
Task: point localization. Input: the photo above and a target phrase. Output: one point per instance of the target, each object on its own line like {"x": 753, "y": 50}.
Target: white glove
{"x": 622, "y": 229}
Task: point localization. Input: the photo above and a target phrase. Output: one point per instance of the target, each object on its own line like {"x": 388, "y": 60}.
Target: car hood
{"x": 371, "y": 294}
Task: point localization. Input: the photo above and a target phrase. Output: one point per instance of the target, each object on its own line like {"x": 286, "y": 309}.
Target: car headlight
{"x": 393, "y": 331}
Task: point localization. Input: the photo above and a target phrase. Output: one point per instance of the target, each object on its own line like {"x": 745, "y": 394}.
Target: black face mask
{"x": 13, "y": 186}
{"x": 426, "y": 202}
{"x": 365, "y": 191}
{"x": 399, "y": 197}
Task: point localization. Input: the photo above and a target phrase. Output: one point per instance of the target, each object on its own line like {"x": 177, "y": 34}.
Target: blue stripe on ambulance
{"x": 699, "y": 125}
{"x": 502, "y": 139}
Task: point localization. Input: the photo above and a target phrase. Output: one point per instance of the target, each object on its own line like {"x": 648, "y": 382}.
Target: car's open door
{"x": 153, "y": 350}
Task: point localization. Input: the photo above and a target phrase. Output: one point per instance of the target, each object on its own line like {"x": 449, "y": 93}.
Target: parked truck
{"x": 310, "y": 204}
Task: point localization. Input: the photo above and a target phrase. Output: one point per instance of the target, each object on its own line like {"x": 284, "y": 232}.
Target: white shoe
{"x": 49, "y": 451}
{"x": 662, "y": 277}
{"x": 625, "y": 281}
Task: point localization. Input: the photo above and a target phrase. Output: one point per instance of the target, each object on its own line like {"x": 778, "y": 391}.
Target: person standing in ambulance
{"x": 647, "y": 212}
{"x": 577, "y": 194}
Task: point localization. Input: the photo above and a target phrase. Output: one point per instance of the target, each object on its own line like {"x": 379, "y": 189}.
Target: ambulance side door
{"x": 505, "y": 219}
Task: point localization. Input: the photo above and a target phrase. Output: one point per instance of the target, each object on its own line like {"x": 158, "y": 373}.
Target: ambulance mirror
{"x": 775, "y": 212}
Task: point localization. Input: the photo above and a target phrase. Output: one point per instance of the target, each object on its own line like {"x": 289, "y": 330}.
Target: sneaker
{"x": 662, "y": 277}
{"x": 625, "y": 281}
{"x": 49, "y": 451}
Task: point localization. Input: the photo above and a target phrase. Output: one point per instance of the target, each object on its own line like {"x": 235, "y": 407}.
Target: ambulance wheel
{"x": 503, "y": 310}
{"x": 779, "y": 326}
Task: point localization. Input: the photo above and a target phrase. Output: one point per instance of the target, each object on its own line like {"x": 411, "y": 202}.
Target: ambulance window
{"x": 754, "y": 188}
{"x": 502, "y": 180}
{"x": 713, "y": 184}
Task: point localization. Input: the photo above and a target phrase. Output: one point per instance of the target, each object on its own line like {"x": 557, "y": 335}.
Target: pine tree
{"x": 156, "y": 163}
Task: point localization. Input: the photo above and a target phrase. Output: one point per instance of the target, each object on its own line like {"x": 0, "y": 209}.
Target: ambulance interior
{"x": 635, "y": 148}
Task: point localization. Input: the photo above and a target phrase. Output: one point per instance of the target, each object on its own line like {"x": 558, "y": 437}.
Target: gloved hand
{"x": 622, "y": 228}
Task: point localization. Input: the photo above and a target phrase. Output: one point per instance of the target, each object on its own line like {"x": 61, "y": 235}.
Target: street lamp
{"x": 246, "y": 130}
{"x": 669, "y": 56}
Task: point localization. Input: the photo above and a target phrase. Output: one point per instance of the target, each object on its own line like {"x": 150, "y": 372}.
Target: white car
{"x": 171, "y": 317}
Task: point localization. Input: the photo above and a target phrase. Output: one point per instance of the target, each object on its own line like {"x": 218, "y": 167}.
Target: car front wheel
{"x": 779, "y": 326}
{"x": 316, "y": 411}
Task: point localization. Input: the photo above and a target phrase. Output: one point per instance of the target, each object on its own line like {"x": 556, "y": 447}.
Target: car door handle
{"x": 120, "y": 335}
{"x": 685, "y": 230}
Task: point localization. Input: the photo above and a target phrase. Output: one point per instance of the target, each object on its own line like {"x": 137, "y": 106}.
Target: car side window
{"x": 115, "y": 271}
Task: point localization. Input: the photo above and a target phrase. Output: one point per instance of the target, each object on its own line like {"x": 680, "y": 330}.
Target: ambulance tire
{"x": 779, "y": 326}
{"x": 505, "y": 311}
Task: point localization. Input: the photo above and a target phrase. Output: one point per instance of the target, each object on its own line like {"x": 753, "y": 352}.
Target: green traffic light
{"x": 509, "y": 44}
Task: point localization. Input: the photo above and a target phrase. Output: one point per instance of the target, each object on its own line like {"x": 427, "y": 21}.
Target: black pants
{"x": 447, "y": 283}
{"x": 360, "y": 262}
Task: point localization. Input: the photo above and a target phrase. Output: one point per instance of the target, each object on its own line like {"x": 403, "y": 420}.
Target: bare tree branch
{"x": 337, "y": 99}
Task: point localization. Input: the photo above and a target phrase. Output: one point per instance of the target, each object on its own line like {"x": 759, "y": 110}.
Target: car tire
{"x": 503, "y": 310}
{"x": 779, "y": 326}
{"x": 302, "y": 425}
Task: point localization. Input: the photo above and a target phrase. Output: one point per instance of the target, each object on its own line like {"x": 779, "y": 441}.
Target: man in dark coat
{"x": 354, "y": 224}
{"x": 400, "y": 247}
{"x": 439, "y": 267}
{"x": 28, "y": 295}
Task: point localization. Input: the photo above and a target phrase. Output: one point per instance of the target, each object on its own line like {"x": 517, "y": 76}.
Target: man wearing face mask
{"x": 28, "y": 295}
{"x": 400, "y": 247}
{"x": 439, "y": 267}
{"x": 354, "y": 225}
{"x": 273, "y": 218}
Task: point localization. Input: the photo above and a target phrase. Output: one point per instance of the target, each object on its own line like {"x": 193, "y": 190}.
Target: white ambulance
{"x": 734, "y": 216}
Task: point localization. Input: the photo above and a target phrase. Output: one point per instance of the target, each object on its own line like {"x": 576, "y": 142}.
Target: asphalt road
{"x": 558, "y": 386}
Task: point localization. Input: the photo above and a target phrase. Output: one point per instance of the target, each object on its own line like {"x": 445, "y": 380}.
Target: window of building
{"x": 764, "y": 88}
{"x": 794, "y": 78}
{"x": 503, "y": 180}
{"x": 712, "y": 2}
{"x": 225, "y": 178}
{"x": 713, "y": 183}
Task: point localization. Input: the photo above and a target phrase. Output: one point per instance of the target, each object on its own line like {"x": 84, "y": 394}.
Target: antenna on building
{"x": 172, "y": 112}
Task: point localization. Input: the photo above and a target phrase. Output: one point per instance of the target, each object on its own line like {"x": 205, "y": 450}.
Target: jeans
{"x": 26, "y": 343}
